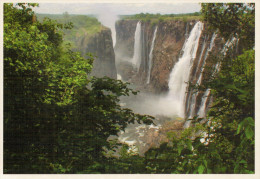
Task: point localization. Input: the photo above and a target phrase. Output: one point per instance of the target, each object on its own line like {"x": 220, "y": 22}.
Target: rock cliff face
{"x": 167, "y": 49}
{"x": 210, "y": 44}
{"x": 100, "y": 45}
{"x": 169, "y": 40}
{"x": 125, "y": 32}
{"x": 182, "y": 52}
{"x": 168, "y": 45}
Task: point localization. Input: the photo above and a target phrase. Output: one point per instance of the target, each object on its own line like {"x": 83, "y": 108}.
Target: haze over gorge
{"x": 158, "y": 90}
{"x": 158, "y": 58}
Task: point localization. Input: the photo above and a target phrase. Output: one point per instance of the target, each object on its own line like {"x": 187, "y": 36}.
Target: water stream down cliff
{"x": 137, "y": 58}
{"x": 151, "y": 56}
{"x": 162, "y": 61}
{"x": 182, "y": 69}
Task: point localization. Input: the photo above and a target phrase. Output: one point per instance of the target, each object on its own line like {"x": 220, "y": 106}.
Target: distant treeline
{"x": 162, "y": 17}
{"x": 79, "y": 25}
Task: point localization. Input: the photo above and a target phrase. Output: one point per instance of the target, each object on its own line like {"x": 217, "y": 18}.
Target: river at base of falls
{"x": 141, "y": 137}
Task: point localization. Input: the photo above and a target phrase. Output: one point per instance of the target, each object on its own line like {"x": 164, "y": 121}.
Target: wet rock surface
{"x": 101, "y": 46}
{"x": 167, "y": 49}
{"x": 144, "y": 137}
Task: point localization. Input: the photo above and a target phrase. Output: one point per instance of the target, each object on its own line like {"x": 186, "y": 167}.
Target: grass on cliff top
{"x": 155, "y": 18}
{"x": 83, "y": 25}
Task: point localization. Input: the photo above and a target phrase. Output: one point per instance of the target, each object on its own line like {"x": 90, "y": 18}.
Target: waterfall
{"x": 202, "y": 109}
{"x": 194, "y": 96}
{"x": 206, "y": 55}
{"x": 229, "y": 43}
{"x": 212, "y": 41}
{"x": 119, "y": 77}
{"x": 151, "y": 57}
{"x": 192, "y": 103}
{"x": 181, "y": 71}
{"x": 186, "y": 35}
{"x": 137, "y": 46}
{"x": 201, "y": 54}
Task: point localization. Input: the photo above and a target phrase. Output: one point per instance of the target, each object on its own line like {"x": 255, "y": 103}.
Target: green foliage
{"x": 232, "y": 19}
{"x": 56, "y": 119}
{"x": 79, "y": 25}
{"x": 229, "y": 141}
{"x": 156, "y": 18}
{"x": 226, "y": 143}
{"x": 234, "y": 91}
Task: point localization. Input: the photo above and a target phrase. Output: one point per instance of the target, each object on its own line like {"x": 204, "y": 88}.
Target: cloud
{"x": 116, "y": 8}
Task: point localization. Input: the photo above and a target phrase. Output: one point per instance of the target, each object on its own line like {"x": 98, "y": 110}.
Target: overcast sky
{"x": 116, "y": 8}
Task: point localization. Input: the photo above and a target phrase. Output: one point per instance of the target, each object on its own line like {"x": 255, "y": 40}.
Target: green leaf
{"x": 249, "y": 132}
{"x": 201, "y": 169}
{"x": 251, "y": 121}
{"x": 239, "y": 128}
{"x": 189, "y": 144}
{"x": 180, "y": 147}
{"x": 205, "y": 163}
{"x": 242, "y": 161}
{"x": 209, "y": 171}
{"x": 223, "y": 169}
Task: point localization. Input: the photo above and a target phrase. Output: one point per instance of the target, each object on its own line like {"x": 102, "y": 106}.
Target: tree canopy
{"x": 56, "y": 118}
{"x": 237, "y": 19}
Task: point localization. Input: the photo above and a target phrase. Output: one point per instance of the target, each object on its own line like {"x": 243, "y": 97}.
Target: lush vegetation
{"x": 81, "y": 25}
{"x": 224, "y": 144}
{"x": 57, "y": 119}
{"x": 53, "y": 122}
{"x": 156, "y": 18}
{"x": 232, "y": 19}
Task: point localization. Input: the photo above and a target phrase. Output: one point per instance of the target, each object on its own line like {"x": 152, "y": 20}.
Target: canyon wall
{"x": 168, "y": 48}
{"x": 101, "y": 46}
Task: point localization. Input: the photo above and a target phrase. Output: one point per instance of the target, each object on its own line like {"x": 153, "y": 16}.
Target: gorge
{"x": 164, "y": 61}
{"x": 161, "y": 54}
{"x": 140, "y": 93}
{"x": 159, "y": 60}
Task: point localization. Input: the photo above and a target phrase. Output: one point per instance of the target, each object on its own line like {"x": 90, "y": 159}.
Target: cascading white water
{"x": 202, "y": 110}
{"x": 224, "y": 51}
{"x": 201, "y": 54}
{"x": 186, "y": 34}
{"x": 194, "y": 96}
{"x": 137, "y": 47}
{"x": 151, "y": 56}
{"x": 192, "y": 105}
{"x": 212, "y": 42}
{"x": 119, "y": 77}
{"x": 181, "y": 71}
{"x": 206, "y": 55}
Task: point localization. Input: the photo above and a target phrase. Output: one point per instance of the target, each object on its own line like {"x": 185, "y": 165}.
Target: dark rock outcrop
{"x": 168, "y": 44}
{"x": 125, "y": 32}
{"x": 101, "y": 46}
